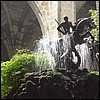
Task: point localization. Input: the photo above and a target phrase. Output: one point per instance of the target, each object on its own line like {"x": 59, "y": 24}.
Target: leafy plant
{"x": 13, "y": 70}
{"x": 22, "y": 62}
{"x": 95, "y": 32}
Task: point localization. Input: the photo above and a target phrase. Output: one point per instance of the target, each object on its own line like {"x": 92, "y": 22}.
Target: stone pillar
{"x": 49, "y": 11}
{"x": 53, "y": 10}
{"x": 66, "y": 8}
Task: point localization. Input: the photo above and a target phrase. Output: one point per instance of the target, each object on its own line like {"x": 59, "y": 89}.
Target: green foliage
{"x": 22, "y": 62}
{"x": 95, "y": 32}
{"x": 92, "y": 75}
{"x": 13, "y": 70}
{"x": 94, "y": 72}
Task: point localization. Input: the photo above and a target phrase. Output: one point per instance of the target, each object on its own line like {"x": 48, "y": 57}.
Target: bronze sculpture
{"x": 80, "y": 31}
{"x": 65, "y": 26}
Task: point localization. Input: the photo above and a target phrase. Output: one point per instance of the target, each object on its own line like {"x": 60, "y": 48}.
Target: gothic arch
{"x": 38, "y": 10}
{"x": 20, "y": 27}
{"x": 84, "y": 9}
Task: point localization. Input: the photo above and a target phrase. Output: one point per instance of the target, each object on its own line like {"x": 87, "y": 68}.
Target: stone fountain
{"x": 72, "y": 51}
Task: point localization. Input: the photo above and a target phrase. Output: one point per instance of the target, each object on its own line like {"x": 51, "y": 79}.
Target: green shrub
{"x": 95, "y": 32}
{"x": 13, "y": 70}
{"x": 22, "y": 62}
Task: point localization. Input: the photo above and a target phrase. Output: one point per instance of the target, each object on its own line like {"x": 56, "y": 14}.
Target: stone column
{"x": 53, "y": 10}
{"x": 66, "y": 8}
{"x": 49, "y": 11}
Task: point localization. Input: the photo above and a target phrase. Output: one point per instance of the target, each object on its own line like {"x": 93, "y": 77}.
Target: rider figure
{"x": 66, "y": 26}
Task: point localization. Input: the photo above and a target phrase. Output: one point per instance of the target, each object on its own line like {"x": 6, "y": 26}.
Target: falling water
{"x": 46, "y": 47}
{"x": 57, "y": 52}
{"x": 86, "y": 59}
{"x": 66, "y": 54}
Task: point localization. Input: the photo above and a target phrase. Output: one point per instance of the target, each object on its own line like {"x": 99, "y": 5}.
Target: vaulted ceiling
{"x": 19, "y": 27}
{"x": 84, "y": 7}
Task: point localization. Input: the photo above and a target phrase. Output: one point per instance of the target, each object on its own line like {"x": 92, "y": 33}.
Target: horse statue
{"x": 82, "y": 29}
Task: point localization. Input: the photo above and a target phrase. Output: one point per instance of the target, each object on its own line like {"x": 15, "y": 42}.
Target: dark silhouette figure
{"x": 64, "y": 27}
{"x": 82, "y": 29}
{"x": 75, "y": 66}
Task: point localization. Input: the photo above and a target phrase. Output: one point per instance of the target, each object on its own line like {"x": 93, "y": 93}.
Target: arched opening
{"x": 19, "y": 27}
{"x": 84, "y": 9}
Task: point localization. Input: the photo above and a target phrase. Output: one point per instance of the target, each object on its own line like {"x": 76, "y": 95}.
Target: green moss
{"x": 58, "y": 77}
{"x": 51, "y": 73}
{"x": 55, "y": 77}
{"x": 94, "y": 75}
{"x": 94, "y": 72}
